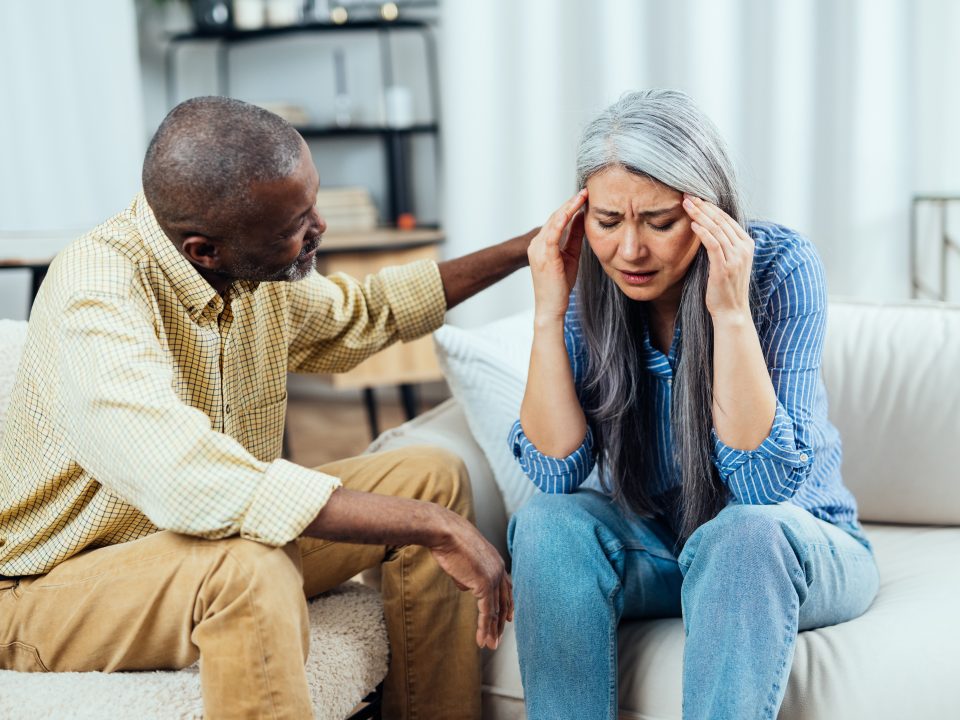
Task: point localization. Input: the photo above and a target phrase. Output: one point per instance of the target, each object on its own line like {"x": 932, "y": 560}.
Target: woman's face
{"x": 640, "y": 233}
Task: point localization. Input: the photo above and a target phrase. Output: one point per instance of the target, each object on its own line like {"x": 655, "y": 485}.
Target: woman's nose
{"x": 631, "y": 245}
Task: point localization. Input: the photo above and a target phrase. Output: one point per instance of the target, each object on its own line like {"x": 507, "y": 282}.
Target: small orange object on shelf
{"x": 406, "y": 221}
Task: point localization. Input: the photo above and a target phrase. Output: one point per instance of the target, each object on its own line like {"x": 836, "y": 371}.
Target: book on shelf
{"x": 347, "y": 209}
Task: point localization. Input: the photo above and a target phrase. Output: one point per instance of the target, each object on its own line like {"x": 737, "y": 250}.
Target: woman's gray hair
{"x": 663, "y": 135}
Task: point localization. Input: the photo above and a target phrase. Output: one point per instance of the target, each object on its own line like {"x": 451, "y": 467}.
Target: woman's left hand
{"x": 730, "y": 250}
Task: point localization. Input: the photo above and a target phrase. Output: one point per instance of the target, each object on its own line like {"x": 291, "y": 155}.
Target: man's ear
{"x": 203, "y": 251}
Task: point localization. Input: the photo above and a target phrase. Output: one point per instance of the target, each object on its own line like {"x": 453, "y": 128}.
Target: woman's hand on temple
{"x": 730, "y": 250}
{"x": 554, "y": 255}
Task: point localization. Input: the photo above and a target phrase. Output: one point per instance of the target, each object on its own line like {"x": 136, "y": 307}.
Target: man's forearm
{"x": 367, "y": 518}
{"x": 465, "y": 276}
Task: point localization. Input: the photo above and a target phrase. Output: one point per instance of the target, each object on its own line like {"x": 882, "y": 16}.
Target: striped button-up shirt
{"x": 799, "y": 461}
{"x": 145, "y": 400}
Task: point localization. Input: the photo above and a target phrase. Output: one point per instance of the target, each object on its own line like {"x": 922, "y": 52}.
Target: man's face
{"x": 281, "y": 241}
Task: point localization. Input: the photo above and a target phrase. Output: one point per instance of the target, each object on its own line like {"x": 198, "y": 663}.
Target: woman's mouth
{"x": 637, "y": 278}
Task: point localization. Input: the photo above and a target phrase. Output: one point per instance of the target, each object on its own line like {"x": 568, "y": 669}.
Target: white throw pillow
{"x": 486, "y": 369}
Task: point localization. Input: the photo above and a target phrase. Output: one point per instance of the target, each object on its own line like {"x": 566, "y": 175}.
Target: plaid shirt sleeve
{"x": 337, "y": 322}
{"x": 126, "y": 426}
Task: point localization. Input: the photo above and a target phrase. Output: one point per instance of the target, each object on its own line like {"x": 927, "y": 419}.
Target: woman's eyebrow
{"x": 646, "y": 213}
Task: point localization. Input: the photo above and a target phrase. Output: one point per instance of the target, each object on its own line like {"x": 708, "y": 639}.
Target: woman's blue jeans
{"x": 745, "y": 583}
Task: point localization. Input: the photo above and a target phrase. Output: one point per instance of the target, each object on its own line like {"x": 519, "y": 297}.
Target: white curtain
{"x": 71, "y": 123}
{"x": 836, "y": 111}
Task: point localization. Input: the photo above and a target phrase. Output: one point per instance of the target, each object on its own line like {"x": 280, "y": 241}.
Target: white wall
{"x": 71, "y": 128}
{"x": 836, "y": 111}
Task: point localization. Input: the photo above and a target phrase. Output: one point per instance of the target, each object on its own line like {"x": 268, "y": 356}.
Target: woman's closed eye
{"x": 664, "y": 227}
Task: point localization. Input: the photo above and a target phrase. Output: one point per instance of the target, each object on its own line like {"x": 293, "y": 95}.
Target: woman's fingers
{"x": 708, "y": 222}
{"x": 574, "y": 239}
{"x": 562, "y": 216}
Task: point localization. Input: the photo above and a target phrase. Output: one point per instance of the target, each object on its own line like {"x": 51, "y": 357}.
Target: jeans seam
{"x": 789, "y": 639}
{"x": 256, "y": 623}
{"x": 409, "y": 711}
{"x": 613, "y": 659}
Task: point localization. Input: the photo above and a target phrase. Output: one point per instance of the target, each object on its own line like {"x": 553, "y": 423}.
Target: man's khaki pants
{"x": 164, "y": 600}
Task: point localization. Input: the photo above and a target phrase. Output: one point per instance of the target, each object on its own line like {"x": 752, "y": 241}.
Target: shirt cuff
{"x": 416, "y": 297}
{"x": 552, "y": 474}
{"x": 780, "y": 445}
{"x": 288, "y": 500}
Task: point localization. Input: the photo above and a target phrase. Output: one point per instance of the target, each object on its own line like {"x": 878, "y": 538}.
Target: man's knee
{"x": 438, "y": 476}
{"x": 271, "y": 576}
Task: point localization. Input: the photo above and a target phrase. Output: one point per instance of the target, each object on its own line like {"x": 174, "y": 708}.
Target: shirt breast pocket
{"x": 261, "y": 429}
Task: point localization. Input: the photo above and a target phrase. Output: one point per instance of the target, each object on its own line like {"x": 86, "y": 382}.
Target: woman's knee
{"x": 740, "y": 534}
{"x": 552, "y": 529}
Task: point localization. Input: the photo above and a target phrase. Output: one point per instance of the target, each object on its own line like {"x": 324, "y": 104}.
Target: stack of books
{"x": 347, "y": 209}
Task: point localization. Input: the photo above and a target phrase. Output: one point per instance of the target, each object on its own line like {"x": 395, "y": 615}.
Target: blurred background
{"x": 461, "y": 119}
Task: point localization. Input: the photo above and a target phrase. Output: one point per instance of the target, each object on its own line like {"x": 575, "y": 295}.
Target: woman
{"x": 681, "y": 352}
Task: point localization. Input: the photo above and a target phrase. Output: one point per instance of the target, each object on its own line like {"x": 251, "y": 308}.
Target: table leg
{"x": 370, "y": 400}
{"x": 408, "y": 396}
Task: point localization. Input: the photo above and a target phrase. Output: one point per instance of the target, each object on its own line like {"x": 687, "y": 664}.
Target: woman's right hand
{"x": 554, "y": 255}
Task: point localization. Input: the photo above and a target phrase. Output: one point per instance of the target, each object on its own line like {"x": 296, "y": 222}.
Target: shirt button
{"x": 669, "y": 381}
{"x": 227, "y": 409}
{"x": 804, "y": 457}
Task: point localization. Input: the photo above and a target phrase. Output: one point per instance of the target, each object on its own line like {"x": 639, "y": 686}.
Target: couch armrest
{"x": 445, "y": 426}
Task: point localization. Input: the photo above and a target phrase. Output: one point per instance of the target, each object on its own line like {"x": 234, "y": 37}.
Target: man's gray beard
{"x": 292, "y": 273}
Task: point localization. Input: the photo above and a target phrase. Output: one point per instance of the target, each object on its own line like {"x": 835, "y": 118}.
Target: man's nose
{"x": 317, "y": 219}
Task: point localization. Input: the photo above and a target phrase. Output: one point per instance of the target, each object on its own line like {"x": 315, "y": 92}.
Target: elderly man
{"x": 145, "y": 516}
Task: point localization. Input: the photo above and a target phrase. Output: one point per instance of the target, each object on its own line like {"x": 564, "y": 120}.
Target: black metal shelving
{"x": 396, "y": 140}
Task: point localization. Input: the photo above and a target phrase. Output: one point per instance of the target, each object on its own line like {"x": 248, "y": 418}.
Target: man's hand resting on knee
{"x": 459, "y": 548}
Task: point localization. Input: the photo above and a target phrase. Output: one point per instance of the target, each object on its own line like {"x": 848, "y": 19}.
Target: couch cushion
{"x": 446, "y": 426}
{"x": 898, "y": 660}
{"x": 893, "y": 382}
{"x": 486, "y": 369}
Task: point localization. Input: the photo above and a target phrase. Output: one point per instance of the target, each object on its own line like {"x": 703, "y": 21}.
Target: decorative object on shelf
{"x": 339, "y": 15}
{"x": 248, "y": 14}
{"x": 292, "y": 113}
{"x": 406, "y": 221}
{"x": 283, "y": 13}
{"x": 342, "y": 107}
{"x": 389, "y": 11}
{"x": 211, "y": 16}
{"x": 347, "y": 209}
{"x": 934, "y": 229}
{"x": 398, "y": 106}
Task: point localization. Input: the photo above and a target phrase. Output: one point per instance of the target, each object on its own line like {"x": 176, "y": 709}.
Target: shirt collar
{"x": 195, "y": 294}
{"x": 655, "y": 361}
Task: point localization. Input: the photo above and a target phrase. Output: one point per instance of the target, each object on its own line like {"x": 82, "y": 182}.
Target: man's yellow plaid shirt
{"x": 146, "y": 401}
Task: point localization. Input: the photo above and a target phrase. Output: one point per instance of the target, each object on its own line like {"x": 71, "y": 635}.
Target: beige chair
{"x": 348, "y": 648}
{"x": 893, "y": 377}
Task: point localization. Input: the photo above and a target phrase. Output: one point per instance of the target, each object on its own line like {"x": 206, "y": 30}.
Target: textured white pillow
{"x": 486, "y": 369}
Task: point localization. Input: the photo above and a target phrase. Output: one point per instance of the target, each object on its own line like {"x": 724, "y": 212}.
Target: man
{"x": 145, "y": 516}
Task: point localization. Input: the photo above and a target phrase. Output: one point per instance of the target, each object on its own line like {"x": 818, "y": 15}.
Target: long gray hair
{"x": 662, "y": 135}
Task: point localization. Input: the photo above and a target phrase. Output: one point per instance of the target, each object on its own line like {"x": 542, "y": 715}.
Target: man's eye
{"x": 607, "y": 226}
{"x": 663, "y": 228}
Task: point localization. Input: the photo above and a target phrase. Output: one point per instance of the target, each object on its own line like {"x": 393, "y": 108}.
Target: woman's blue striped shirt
{"x": 799, "y": 462}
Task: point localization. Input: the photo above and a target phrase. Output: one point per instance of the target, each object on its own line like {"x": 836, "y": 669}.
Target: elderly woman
{"x": 679, "y": 349}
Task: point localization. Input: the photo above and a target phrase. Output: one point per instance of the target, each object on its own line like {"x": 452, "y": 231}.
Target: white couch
{"x": 893, "y": 378}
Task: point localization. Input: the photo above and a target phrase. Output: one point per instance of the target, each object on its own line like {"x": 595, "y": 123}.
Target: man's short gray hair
{"x": 206, "y": 154}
